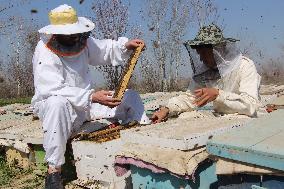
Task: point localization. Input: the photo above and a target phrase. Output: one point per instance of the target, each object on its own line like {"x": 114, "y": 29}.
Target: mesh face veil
{"x": 226, "y": 57}
{"x": 203, "y": 75}
{"x": 63, "y": 50}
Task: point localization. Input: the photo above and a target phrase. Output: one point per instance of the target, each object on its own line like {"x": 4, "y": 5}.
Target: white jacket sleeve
{"x": 49, "y": 81}
{"x": 247, "y": 100}
{"x": 181, "y": 103}
{"x": 107, "y": 51}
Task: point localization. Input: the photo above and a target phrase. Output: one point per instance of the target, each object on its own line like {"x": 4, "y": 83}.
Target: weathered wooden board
{"x": 18, "y": 127}
{"x": 259, "y": 143}
{"x": 182, "y": 134}
{"x": 23, "y": 128}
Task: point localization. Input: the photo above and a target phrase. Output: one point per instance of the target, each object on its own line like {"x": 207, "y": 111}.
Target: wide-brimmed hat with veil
{"x": 226, "y": 55}
{"x": 209, "y": 35}
{"x": 64, "y": 20}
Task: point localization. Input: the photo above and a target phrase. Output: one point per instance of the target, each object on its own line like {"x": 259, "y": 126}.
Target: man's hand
{"x": 160, "y": 115}
{"x": 205, "y": 95}
{"x": 104, "y": 98}
{"x": 133, "y": 44}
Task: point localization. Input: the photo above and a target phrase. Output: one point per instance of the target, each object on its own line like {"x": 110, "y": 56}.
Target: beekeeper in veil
{"x": 221, "y": 75}
{"x": 64, "y": 95}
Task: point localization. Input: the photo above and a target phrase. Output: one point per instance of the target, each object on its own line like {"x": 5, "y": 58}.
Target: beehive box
{"x": 185, "y": 133}
{"x": 95, "y": 161}
{"x": 259, "y": 143}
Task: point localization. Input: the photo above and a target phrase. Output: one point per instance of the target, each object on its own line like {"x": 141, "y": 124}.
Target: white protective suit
{"x": 238, "y": 92}
{"x": 63, "y": 88}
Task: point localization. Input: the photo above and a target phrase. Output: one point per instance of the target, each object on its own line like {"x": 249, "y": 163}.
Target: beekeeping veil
{"x": 225, "y": 54}
{"x": 64, "y": 21}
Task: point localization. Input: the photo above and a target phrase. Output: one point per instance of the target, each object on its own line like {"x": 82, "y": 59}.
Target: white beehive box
{"x": 185, "y": 133}
{"x": 95, "y": 161}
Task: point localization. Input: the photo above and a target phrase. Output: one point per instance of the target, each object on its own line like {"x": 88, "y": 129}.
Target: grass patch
{"x": 6, "y": 173}
{"x": 13, "y": 177}
{"x": 23, "y": 100}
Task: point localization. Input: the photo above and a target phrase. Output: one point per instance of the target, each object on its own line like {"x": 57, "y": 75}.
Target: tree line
{"x": 163, "y": 24}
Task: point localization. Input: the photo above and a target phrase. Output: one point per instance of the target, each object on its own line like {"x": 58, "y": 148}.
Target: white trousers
{"x": 59, "y": 120}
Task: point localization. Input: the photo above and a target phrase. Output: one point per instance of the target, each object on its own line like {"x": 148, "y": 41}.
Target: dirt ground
{"x": 30, "y": 181}
{"x": 14, "y": 178}
{"x": 24, "y": 181}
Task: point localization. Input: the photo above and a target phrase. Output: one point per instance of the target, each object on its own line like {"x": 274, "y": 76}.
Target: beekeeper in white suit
{"x": 221, "y": 74}
{"x": 64, "y": 97}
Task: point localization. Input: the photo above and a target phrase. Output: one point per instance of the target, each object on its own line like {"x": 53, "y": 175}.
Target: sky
{"x": 257, "y": 21}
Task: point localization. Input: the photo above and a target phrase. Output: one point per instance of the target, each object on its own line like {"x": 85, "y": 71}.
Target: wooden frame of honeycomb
{"x": 127, "y": 73}
{"x": 105, "y": 135}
